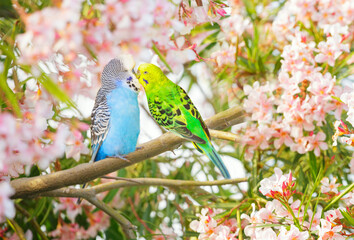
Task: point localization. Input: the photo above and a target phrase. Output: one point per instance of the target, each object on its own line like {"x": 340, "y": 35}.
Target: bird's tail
{"x": 210, "y": 151}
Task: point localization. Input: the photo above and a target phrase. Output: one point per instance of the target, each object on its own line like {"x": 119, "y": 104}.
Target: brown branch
{"x": 127, "y": 227}
{"x": 25, "y": 187}
{"x": 90, "y": 192}
{"x": 137, "y": 216}
{"x": 199, "y": 3}
{"x": 224, "y": 135}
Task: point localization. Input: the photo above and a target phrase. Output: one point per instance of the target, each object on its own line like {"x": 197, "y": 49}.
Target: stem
{"x": 240, "y": 237}
{"x": 127, "y": 227}
{"x": 33, "y": 221}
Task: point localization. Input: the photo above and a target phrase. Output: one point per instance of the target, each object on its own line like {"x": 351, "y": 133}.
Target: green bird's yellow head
{"x": 149, "y": 75}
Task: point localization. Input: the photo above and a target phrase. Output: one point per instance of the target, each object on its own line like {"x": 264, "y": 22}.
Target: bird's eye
{"x": 145, "y": 72}
{"x": 146, "y": 81}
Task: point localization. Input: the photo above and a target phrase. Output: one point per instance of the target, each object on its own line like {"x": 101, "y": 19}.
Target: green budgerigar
{"x": 172, "y": 108}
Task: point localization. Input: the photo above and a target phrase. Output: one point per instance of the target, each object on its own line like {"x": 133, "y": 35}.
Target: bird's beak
{"x": 137, "y": 74}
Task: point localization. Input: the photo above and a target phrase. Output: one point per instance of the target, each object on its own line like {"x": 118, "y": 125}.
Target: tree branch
{"x": 127, "y": 227}
{"x": 90, "y": 192}
{"x": 86, "y": 172}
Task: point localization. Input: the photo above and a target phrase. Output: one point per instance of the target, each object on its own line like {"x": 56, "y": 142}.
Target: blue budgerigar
{"x": 115, "y": 118}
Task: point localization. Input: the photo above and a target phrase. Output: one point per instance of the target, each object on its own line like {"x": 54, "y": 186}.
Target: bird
{"x": 115, "y": 118}
{"x": 172, "y": 109}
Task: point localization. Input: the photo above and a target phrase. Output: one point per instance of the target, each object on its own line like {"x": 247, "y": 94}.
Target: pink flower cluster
{"x": 27, "y": 141}
{"x": 282, "y": 211}
{"x": 7, "y": 208}
{"x": 289, "y": 111}
{"x": 279, "y": 186}
{"x": 98, "y": 221}
{"x": 331, "y": 16}
{"x": 210, "y": 229}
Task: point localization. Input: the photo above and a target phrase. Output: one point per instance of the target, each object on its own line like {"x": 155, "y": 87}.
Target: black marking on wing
{"x": 99, "y": 121}
{"x": 189, "y": 106}
{"x": 170, "y": 117}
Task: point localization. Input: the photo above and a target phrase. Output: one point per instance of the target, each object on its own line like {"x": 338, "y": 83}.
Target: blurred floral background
{"x": 288, "y": 64}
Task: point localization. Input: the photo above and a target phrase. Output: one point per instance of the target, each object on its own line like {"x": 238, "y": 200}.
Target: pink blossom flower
{"x": 234, "y": 26}
{"x": 329, "y": 232}
{"x": 266, "y": 233}
{"x": 75, "y": 145}
{"x": 330, "y": 50}
{"x": 333, "y": 215}
{"x": 316, "y": 143}
{"x": 349, "y": 199}
{"x": 315, "y": 219}
{"x": 225, "y": 56}
{"x": 253, "y": 220}
{"x": 7, "y": 208}
{"x": 223, "y": 232}
{"x": 71, "y": 207}
{"x": 205, "y": 224}
{"x": 267, "y": 214}
{"x": 348, "y": 99}
{"x": 278, "y": 185}
{"x": 328, "y": 187}
{"x": 65, "y": 231}
{"x": 282, "y": 135}
{"x": 293, "y": 234}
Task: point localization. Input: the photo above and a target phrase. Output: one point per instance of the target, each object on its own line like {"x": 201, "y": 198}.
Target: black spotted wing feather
{"x": 189, "y": 106}
{"x": 171, "y": 116}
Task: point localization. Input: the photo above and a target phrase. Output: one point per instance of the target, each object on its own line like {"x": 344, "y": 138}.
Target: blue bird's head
{"x": 119, "y": 72}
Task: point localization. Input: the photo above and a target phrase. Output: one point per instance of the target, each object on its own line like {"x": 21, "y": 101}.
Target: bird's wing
{"x": 170, "y": 116}
{"x": 99, "y": 122}
{"x": 188, "y": 105}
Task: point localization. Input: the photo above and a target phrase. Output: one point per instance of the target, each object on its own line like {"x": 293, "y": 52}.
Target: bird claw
{"x": 138, "y": 148}
{"x": 124, "y": 158}
{"x": 121, "y": 157}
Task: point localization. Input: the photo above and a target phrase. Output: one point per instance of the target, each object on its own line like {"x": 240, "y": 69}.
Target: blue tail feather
{"x": 215, "y": 158}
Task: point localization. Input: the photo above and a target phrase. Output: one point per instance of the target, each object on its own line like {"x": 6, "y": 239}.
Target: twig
{"x": 199, "y": 3}
{"x": 33, "y": 221}
{"x": 89, "y": 192}
{"x": 17, "y": 229}
{"x": 138, "y": 218}
{"x": 127, "y": 227}
{"x": 224, "y": 135}
{"x": 25, "y": 187}
{"x": 164, "y": 182}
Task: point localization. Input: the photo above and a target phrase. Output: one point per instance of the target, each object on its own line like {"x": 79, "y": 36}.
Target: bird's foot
{"x": 123, "y": 157}
{"x": 138, "y": 148}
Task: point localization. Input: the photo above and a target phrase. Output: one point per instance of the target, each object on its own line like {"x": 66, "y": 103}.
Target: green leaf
{"x": 337, "y": 198}
{"x": 40, "y": 206}
{"x": 313, "y": 165}
{"x": 277, "y": 66}
{"x": 56, "y": 91}
{"x": 110, "y": 195}
{"x": 48, "y": 211}
{"x": 347, "y": 216}
{"x": 10, "y": 95}
{"x": 114, "y": 232}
